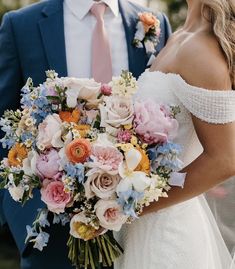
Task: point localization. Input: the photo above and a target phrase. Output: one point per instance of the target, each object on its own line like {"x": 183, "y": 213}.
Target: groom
{"x": 75, "y": 38}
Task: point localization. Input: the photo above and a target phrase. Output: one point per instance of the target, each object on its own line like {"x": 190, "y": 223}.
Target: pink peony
{"x": 106, "y": 89}
{"x": 47, "y": 165}
{"x": 152, "y": 123}
{"x": 106, "y": 158}
{"x": 54, "y": 196}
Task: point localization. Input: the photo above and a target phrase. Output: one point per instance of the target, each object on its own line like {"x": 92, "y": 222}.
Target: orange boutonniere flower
{"x": 148, "y": 20}
{"x": 73, "y": 116}
{"x": 78, "y": 150}
{"x": 148, "y": 32}
{"x": 144, "y": 164}
{"x": 17, "y": 154}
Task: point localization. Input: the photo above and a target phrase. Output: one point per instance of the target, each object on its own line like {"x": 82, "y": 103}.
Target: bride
{"x": 195, "y": 71}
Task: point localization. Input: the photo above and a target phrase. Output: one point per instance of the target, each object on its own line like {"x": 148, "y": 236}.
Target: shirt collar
{"x": 81, "y": 7}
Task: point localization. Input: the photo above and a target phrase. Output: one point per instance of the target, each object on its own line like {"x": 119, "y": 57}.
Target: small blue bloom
{"x": 128, "y": 200}
{"x": 31, "y": 233}
{"x": 42, "y": 220}
{"x": 41, "y": 241}
{"x": 166, "y": 156}
{"x": 61, "y": 218}
{"x": 75, "y": 171}
{"x": 7, "y": 142}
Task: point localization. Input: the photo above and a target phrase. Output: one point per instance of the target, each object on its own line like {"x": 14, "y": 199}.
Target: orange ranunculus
{"x": 17, "y": 154}
{"x": 73, "y": 116}
{"x": 148, "y": 20}
{"x": 83, "y": 129}
{"x": 144, "y": 164}
{"x": 78, "y": 150}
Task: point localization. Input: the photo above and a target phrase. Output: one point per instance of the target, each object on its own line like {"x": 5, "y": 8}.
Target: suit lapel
{"x": 52, "y": 32}
{"x": 137, "y": 56}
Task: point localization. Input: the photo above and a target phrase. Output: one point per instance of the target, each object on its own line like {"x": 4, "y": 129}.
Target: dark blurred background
{"x": 176, "y": 11}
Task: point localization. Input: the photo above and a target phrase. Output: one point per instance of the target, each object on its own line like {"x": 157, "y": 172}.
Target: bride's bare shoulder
{"x": 201, "y": 62}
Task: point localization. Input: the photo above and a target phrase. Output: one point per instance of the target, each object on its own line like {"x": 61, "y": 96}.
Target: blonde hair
{"x": 222, "y": 16}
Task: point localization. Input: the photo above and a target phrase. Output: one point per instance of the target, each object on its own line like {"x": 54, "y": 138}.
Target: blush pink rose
{"x": 106, "y": 158}
{"x": 110, "y": 214}
{"x": 48, "y": 164}
{"x": 152, "y": 123}
{"x": 54, "y": 196}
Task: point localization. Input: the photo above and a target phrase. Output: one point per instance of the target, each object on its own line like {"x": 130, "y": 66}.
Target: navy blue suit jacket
{"x": 31, "y": 42}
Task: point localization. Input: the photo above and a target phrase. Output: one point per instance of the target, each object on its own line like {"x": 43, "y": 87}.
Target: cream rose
{"x": 117, "y": 112}
{"x": 86, "y": 89}
{"x": 50, "y": 131}
{"x": 110, "y": 214}
{"x": 101, "y": 184}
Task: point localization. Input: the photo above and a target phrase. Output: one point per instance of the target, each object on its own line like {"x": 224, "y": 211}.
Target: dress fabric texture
{"x": 186, "y": 235}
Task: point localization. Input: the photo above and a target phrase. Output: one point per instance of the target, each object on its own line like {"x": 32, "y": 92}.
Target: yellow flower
{"x": 144, "y": 164}
{"x": 125, "y": 147}
{"x": 134, "y": 140}
{"x": 128, "y": 126}
{"x": 17, "y": 154}
{"x": 83, "y": 129}
{"x": 86, "y": 232}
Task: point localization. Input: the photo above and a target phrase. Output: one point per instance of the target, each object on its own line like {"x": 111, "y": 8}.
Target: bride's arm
{"x": 217, "y": 162}
{"x": 213, "y": 166}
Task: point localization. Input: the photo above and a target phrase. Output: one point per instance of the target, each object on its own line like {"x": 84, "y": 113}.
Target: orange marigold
{"x": 78, "y": 150}
{"x": 73, "y": 116}
{"x": 17, "y": 154}
{"x": 144, "y": 164}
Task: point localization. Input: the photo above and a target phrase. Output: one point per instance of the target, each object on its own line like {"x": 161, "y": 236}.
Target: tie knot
{"x": 98, "y": 10}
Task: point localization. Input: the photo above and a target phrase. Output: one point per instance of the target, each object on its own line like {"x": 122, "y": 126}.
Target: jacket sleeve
{"x": 167, "y": 26}
{"x": 10, "y": 80}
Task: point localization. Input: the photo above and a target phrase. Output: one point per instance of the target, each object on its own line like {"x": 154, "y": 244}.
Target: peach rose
{"x": 102, "y": 185}
{"x": 148, "y": 20}
{"x": 78, "y": 150}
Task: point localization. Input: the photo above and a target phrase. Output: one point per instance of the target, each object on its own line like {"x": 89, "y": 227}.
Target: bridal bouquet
{"x": 97, "y": 156}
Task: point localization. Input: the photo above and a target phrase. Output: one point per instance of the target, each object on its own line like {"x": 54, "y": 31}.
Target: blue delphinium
{"x": 75, "y": 171}
{"x": 42, "y": 219}
{"x": 166, "y": 156}
{"x": 41, "y": 240}
{"x": 61, "y": 218}
{"x": 128, "y": 200}
{"x": 37, "y": 99}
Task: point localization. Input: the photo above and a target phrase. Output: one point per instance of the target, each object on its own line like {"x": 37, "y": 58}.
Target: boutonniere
{"x": 148, "y": 32}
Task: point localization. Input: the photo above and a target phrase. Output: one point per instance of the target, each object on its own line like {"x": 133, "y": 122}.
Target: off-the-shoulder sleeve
{"x": 212, "y": 106}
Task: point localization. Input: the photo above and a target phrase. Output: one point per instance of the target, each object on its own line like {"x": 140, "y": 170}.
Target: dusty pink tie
{"x": 101, "y": 54}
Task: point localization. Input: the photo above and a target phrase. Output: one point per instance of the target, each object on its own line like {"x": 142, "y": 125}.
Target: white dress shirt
{"x": 78, "y": 27}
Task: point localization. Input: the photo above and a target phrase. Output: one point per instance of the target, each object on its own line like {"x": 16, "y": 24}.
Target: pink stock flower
{"x": 124, "y": 136}
{"x": 152, "y": 124}
{"x": 47, "y": 165}
{"x": 106, "y": 89}
{"x": 54, "y": 196}
{"x": 106, "y": 158}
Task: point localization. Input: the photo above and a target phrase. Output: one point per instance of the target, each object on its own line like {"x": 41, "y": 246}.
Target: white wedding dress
{"x": 184, "y": 236}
